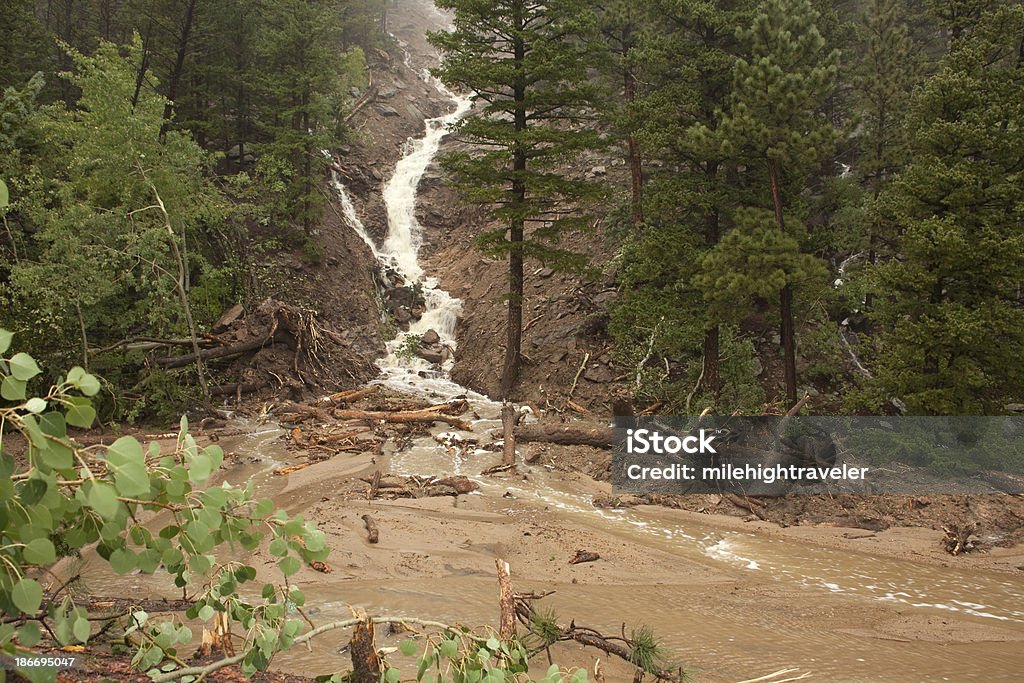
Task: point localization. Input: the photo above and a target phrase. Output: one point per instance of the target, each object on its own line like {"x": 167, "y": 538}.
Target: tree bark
{"x": 372, "y": 532}
{"x": 213, "y": 354}
{"x": 786, "y": 329}
{"x": 508, "y": 423}
{"x": 507, "y": 602}
{"x": 365, "y": 661}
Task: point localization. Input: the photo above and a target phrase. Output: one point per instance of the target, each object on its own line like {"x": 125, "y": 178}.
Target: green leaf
{"x": 408, "y": 647}
{"x": 35, "y": 405}
{"x": 12, "y": 389}
{"x": 278, "y": 547}
{"x": 103, "y": 499}
{"x": 289, "y": 566}
{"x": 23, "y": 366}
{"x": 129, "y": 464}
{"x": 206, "y": 612}
{"x": 448, "y": 648}
{"x": 89, "y": 385}
{"x": 29, "y": 634}
{"x": 39, "y": 551}
{"x": 26, "y": 595}
{"x": 5, "y": 340}
{"x": 80, "y": 412}
{"x": 122, "y": 561}
{"x": 81, "y": 629}
{"x": 392, "y": 675}
{"x": 5, "y": 201}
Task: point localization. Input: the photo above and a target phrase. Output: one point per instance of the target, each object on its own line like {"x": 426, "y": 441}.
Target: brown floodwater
{"x": 779, "y": 603}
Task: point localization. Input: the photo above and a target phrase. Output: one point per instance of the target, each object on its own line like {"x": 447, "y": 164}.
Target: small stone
{"x": 430, "y": 337}
{"x": 758, "y": 367}
{"x": 598, "y": 373}
{"x": 599, "y": 170}
{"x": 546, "y": 273}
{"x": 385, "y": 110}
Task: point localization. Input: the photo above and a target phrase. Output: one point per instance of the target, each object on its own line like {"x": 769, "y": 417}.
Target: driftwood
{"x": 238, "y": 387}
{"x": 599, "y": 437}
{"x": 582, "y": 556}
{"x": 427, "y": 416}
{"x": 754, "y": 507}
{"x": 372, "y": 533}
{"x": 374, "y": 486}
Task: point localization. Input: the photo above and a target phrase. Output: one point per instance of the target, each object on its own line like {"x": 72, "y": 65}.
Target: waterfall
{"x": 400, "y": 252}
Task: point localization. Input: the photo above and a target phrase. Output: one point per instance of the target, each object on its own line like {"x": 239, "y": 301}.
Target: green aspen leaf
{"x": 81, "y": 629}
{"x": 206, "y": 612}
{"x": 392, "y": 675}
{"x": 26, "y": 595}
{"x": 128, "y": 462}
{"x": 200, "y": 468}
{"x": 289, "y": 566}
{"x": 5, "y": 339}
{"x": 75, "y": 375}
{"x": 580, "y": 676}
{"x": 493, "y": 644}
{"x": 12, "y": 389}
{"x": 448, "y": 648}
{"x": 408, "y": 647}
{"x": 23, "y": 366}
{"x": 297, "y": 596}
{"x": 122, "y": 561}
{"x": 103, "y": 499}
{"x": 29, "y": 634}
{"x": 278, "y": 547}
{"x": 35, "y": 405}
{"x": 89, "y": 385}
{"x": 39, "y": 551}
{"x": 5, "y": 201}
{"x": 80, "y": 412}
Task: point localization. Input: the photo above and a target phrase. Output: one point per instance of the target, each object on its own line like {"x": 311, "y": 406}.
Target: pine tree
{"x": 886, "y": 73}
{"x": 528, "y": 79}
{"x": 775, "y": 117}
{"x": 948, "y": 302}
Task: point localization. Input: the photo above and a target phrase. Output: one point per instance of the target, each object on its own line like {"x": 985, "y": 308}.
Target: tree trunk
{"x": 599, "y": 437}
{"x": 636, "y": 171}
{"x": 786, "y": 330}
{"x": 514, "y": 323}
{"x": 712, "y": 234}
{"x": 179, "y": 67}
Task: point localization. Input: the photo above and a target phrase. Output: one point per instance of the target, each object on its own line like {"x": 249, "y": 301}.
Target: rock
{"x": 385, "y": 110}
{"x": 377, "y": 175}
{"x": 354, "y": 92}
{"x": 598, "y": 373}
{"x": 402, "y": 315}
{"x": 811, "y": 391}
{"x": 230, "y": 316}
{"x": 776, "y": 339}
{"x": 432, "y": 354}
{"x": 604, "y": 297}
{"x": 546, "y": 273}
{"x": 599, "y": 171}
{"x": 557, "y": 357}
{"x": 414, "y": 112}
{"x": 1014, "y": 407}
{"x": 386, "y": 93}
{"x": 430, "y": 337}
{"x": 234, "y": 152}
{"x": 758, "y": 367}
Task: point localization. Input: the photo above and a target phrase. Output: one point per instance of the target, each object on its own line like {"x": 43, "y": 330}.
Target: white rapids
{"x": 400, "y": 253}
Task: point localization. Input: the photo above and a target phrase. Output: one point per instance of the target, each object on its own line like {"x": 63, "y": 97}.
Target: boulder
{"x": 385, "y": 110}
{"x": 430, "y": 337}
{"x": 432, "y": 354}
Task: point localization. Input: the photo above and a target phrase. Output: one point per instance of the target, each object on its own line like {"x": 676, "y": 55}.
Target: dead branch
{"x": 366, "y": 664}
{"x": 427, "y": 416}
{"x": 583, "y": 366}
{"x": 506, "y": 602}
{"x": 582, "y": 556}
{"x": 213, "y": 354}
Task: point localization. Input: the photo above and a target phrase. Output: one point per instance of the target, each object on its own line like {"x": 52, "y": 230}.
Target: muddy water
{"x": 774, "y": 603}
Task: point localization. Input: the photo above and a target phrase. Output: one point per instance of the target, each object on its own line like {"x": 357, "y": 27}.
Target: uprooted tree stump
{"x": 957, "y": 539}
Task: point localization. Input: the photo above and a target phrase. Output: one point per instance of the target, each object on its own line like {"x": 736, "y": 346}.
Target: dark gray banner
{"x": 779, "y": 455}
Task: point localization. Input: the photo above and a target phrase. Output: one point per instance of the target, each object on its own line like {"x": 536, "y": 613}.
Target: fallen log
{"x": 213, "y": 354}
{"x": 427, "y": 416}
{"x": 291, "y": 468}
{"x": 372, "y": 533}
{"x": 599, "y": 437}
